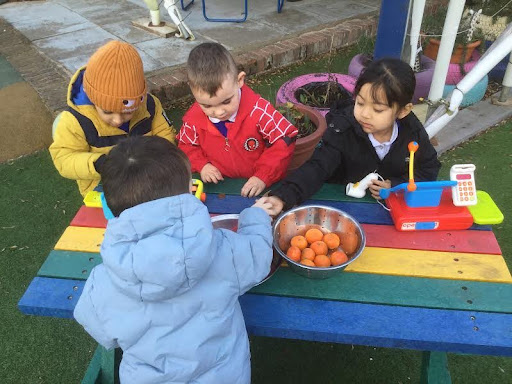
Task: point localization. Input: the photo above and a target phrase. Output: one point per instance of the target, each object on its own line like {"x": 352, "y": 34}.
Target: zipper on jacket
{"x": 226, "y": 146}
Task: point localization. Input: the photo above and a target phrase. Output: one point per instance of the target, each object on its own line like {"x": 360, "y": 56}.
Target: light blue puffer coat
{"x": 167, "y": 292}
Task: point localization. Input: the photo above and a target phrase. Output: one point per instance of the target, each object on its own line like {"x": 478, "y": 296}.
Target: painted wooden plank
{"x": 357, "y": 287}
{"x": 92, "y": 374}
{"x": 387, "y": 236}
{"x": 434, "y": 368}
{"x": 69, "y": 264}
{"x": 392, "y": 290}
{"x": 404, "y": 262}
{"x": 377, "y": 236}
{"x": 81, "y": 239}
{"x": 328, "y": 191}
{"x": 330, "y": 321}
{"x": 51, "y": 297}
{"x": 89, "y": 217}
{"x": 363, "y": 212}
{"x": 378, "y": 325}
{"x": 442, "y": 265}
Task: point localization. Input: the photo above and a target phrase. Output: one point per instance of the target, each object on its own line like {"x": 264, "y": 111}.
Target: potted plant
{"x": 311, "y": 126}
{"x": 468, "y": 38}
{"x": 423, "y": 71}
{"x": 316, "y": 90}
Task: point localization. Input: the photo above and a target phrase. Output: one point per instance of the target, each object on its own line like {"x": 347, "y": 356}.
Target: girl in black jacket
{"x": 370, "y": 135}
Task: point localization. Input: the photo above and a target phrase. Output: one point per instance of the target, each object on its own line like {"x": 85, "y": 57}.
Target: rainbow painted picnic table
{"x": 435, "y": 291}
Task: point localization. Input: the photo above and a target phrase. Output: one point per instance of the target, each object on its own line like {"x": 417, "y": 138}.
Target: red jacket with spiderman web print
{"x": 259, "y": 143}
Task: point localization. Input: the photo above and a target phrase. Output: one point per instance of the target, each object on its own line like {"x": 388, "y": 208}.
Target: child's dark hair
{"x": 393, "y": 76}
{"x": 142, "y": 169}
{"x": 208, "y": 65}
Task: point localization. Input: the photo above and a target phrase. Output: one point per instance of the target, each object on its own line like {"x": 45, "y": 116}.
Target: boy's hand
{"x": 264, "y": 204}
{"x": 211, "y": 174}
{"x": 377, "y": 185}
{"x": 277, "y": 205}
{"x": 253, "y": 187}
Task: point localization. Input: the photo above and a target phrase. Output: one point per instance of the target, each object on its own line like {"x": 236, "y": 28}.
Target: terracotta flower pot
{"x": 432, "y": 49}
{"x": 305, "y": 146}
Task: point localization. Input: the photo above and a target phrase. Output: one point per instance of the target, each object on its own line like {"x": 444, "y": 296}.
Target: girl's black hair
{"x": 141, "y": 169}
{"x": 393, "y": 76}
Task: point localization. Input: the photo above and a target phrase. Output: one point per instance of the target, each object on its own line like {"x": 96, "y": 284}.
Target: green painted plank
{"x": 330, "y": 192}
{"x": 434, "y": 369}
{"x": 393, "y": 290}
{"x": 108, "y": 374}
{"x": 69, "y": 264}
{"x": 92, "y": 375}
{"x": 356, "y": 287}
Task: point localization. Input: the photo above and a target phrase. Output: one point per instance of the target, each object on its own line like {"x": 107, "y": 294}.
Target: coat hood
{"x": 159, "y": 249}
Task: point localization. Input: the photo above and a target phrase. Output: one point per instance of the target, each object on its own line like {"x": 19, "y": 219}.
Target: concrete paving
{"x": 69, "y": 31}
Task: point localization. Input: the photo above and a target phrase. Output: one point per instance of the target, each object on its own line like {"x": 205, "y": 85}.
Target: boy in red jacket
{"x": 230, "y": 130}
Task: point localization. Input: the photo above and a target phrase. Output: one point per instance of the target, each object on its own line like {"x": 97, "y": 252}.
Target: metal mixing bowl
{"x": 231, "y": 222}
{"x": 298, "y": 220}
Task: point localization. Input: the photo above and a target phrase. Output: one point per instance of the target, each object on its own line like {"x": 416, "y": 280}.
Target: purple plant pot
{"x": 423, "y": 78}
{"x": 286, "y": 92}
{"x": 455, "y": 75}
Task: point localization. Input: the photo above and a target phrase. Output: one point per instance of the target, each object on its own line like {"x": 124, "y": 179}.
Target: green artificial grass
{"x": 37, "y": 204}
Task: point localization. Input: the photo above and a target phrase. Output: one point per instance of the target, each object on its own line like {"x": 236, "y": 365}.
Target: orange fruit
{"x": 307, "y": 262}
{"x": 332, "y": 240}
{"x": 299, "y": 241}
{"x": 313, "y": 235}
{"x": 349, "y": 242}
{"x": 319, "y": 247}
{"x": 308, "y": 253}
{"x": 322, "y": 261}
{"x": 293, "y": 253}
{"x": 338, "y": 258}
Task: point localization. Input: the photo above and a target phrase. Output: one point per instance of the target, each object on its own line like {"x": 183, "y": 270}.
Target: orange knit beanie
{"x": 114, "y": 78}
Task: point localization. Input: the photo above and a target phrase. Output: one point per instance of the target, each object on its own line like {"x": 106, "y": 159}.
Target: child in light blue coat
{"x": 167, "y": 291}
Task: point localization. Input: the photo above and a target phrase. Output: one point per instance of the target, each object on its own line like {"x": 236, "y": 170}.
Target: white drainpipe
{"x": 154, "y": 11}
{"x": 451, "y": 26}
{"x": 418, "y": 7}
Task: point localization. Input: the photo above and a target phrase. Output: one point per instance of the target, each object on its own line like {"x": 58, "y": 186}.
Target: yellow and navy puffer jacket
{"x": 80, "y": 137}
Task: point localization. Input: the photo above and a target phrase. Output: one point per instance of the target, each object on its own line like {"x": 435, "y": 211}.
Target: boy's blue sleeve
{"x": 251, "y": 247}
{"x": 85, "y": 313}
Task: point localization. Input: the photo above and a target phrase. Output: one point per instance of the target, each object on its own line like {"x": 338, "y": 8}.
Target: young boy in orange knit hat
{"x": 107, "y": 102}
{"x": 230, "y": 130}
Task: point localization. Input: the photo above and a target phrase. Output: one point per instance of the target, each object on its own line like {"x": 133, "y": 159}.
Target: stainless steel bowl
{"x": 298, "y": 220}
{"x": 231, "y": 222}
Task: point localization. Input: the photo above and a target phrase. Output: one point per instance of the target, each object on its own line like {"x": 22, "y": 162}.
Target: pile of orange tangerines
{"x": 316, "y": 249}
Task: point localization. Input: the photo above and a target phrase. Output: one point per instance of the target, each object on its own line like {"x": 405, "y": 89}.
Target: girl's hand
{"x": 253, "y": 187}
{"x": 210, "y": 174}
{"x": 264, "y": 204}
{"x": 377, "y": 185}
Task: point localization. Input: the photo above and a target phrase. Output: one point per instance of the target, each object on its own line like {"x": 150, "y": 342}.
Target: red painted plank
{"x": 385, "y": 236}
{"x": 466, "y": 241}
{"x": 89, "y": 217}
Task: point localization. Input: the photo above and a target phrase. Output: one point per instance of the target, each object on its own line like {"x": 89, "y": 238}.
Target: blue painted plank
{"x": 330, "y": 321}
{"x": 363, "y": 212}
{"x": 378, "y": 325}
{"x": 51, "y": 297}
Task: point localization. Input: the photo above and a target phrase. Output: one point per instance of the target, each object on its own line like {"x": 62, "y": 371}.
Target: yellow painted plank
{"x": 384, "y": 261}
{"x": 431, "y": 264}
{"x": 81, "y": 239}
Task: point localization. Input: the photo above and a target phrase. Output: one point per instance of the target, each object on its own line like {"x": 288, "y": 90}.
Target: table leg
{"x": 434, "y": 369}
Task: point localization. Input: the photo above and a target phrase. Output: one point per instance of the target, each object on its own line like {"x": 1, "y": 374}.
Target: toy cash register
{"x": 439, "y": 205}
